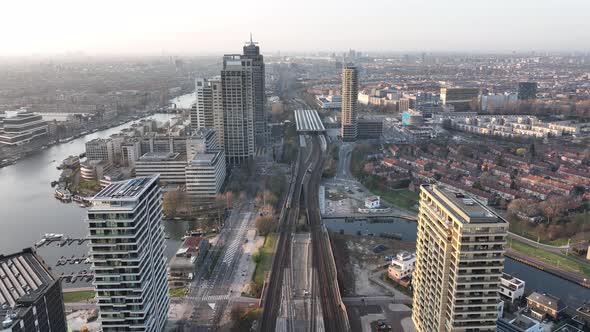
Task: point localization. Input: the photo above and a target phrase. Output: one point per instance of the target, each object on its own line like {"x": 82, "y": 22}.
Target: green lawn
{"x": 561, "y": 261}
{"x": 78, "y": 296}
{"x": 403, "y": 198}
{"x": 263, "y": 259}
{"x": 178, "y": 292}
{"x": 522, "y": 229}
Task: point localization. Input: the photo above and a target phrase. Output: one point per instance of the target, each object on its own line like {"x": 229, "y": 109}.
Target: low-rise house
{"x": 511, "y": 288}
{"x": 544, "y": 305}
{"x": 582, "y": 317}
{"x": 401, "y": 268}
{"x": 372, "y": 202}
{"x": 182, "y": 266}
{"x": 520, "y": 323}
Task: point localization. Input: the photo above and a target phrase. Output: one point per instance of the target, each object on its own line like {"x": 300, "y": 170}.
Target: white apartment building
{"x": 21, "y": 127}
{"x": 201, "y": 114}
{"x": 402, "y": 266}
{"x": 168, "y": 165}
{"x": 511, "y": 288}
{"x": 201, "y": 140}
{"x": 127, "y": 254}
{"x": 459, "y": 263}
{"x": 205, "y": 174}
{"x": 100, "y": 149}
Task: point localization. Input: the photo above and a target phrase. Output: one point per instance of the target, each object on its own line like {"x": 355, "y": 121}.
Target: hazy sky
{"x": 214, "y": 26}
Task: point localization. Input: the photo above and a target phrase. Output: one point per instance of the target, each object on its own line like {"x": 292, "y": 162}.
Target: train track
{"x": 333, "y": 310}
{"x": 281, "y": 261}
{"x": 325, "y": 286}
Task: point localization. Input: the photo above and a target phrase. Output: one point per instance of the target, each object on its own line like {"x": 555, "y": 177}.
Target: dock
{"x": 72, "y": 260}
{"x": 61, "y": 242}
{"x": 81, "y": 276}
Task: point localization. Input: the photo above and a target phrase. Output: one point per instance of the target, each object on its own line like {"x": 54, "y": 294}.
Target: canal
{"x": 571, "y": 294}
{"x": 28, "y": 209}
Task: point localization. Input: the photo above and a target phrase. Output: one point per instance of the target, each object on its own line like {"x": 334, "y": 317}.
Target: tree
{"x": 554, "y": 207}
{"x": 265, "y": 224}
{"x": 173, "y": 201}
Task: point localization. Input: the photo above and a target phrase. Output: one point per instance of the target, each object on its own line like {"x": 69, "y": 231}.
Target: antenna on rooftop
{"x": 252, "y": 42}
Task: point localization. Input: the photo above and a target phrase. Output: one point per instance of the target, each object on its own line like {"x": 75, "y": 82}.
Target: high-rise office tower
{"x": 252, "y": 52}
{"x": 350, "y": 89}
{"x": 127, "y": 254}
{"x": 527, "y": 90}
{"x": 237, "y": 91}
{"x": 461, "y": 99}
{"x": 460, "y": 259}
{"x": 31, "y": 298}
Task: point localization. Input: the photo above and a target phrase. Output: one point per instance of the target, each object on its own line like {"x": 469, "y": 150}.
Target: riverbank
{"x": 9, "y": 155}
{"x": 550, "y": 262}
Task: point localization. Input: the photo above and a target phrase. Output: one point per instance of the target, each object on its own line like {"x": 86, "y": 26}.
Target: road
{"x": 213, "y": 287}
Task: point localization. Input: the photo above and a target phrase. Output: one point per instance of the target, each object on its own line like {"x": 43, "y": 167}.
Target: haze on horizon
{"x": 213, "y": 27}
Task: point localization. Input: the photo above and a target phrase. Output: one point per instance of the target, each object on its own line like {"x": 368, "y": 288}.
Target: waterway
{"x": 28, "y": 209}
{"x": 571, "y": 294}
{"x": 184, "y": 101}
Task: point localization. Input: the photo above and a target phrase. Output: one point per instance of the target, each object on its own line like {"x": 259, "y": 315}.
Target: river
{"x": 571, "y": 294}
{"x": 28, "y": 209}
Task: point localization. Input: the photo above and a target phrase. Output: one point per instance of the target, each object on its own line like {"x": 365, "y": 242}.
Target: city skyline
{"x": 424, "y": 26}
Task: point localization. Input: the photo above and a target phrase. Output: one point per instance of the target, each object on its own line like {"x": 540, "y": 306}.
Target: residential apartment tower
{"x": 350, "y": 89}
{"x": 459, "y": 262}
{"x": 127, "y": 254}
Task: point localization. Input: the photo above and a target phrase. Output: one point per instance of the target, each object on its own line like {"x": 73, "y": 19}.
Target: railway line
{"x": 303, "y": 197}
{"x": 334, "y": 313}
{"x": 273, "y": 290}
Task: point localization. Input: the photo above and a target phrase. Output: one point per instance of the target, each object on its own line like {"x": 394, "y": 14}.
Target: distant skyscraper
{"x": 237, "y": 88}
{"x": 31, "y": 298}
{"x": 350, "y": 90}
{"x": 460, "y": 259}
{"x": 252, "y": 52}
{"x": 127, "y": 253}
{"x": 460, "y": 98}
{"x": 201, "y": 114}
{"x": 527, "y": 90}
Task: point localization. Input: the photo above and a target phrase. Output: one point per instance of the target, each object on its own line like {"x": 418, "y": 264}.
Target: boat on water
{"x": 40, "y": 242}
{"x": 53, "y": 236}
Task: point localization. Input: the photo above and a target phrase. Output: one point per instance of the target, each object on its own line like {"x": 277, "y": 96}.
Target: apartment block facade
{"x": 238, "y": 108}
{"x": 459, "y": 262}
{"x": 350, "y": 90}
{"x": 127, "y": 255}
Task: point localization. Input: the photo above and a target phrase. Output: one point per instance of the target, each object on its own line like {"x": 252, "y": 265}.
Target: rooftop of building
{"x": 523, "y": 322}
{"x": 23, "y": 276}
{"x": 511, "y": 279}
{"x": 464, "y": 206}
{"x": 405, "y": 256}
{"x": 205, "y": 157}
{"x": 308, "y": 121}
{"x": 584, "y": 309}
{"x": 547, "y": 300}
{"x": 98, "y": 141}
{"x": 568, "y": 328}
{"x": 201, "y": 133}
{"x": 128, "y": 189}
{"x": 159, "y": 156}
